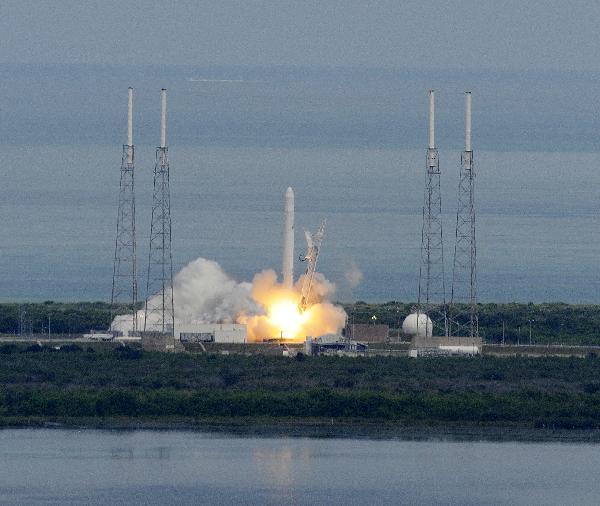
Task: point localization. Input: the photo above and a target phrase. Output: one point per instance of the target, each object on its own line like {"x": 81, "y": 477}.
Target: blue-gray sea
{"x": 538, "y": 230}
{"x": 62, "y": 467}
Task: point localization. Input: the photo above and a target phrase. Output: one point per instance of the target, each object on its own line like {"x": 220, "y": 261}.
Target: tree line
{"x": 548, "y": 323}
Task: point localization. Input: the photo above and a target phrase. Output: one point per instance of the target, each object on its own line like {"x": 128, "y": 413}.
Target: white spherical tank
{"x": 417, "y": 324}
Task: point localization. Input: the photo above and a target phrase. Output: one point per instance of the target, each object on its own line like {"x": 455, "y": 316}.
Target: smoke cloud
{"x": 354, "y": 275}
{"x": 204, "y": 293}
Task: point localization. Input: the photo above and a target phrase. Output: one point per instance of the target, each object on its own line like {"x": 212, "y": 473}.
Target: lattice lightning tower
{"x": 432, "y": 292}
{"x": 124, "y": 284}
{"x": 463, "y": 301}
{"x": 159, "y": 314}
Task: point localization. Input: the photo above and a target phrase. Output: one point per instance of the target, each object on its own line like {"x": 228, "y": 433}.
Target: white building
{"x": 212, "y": 332}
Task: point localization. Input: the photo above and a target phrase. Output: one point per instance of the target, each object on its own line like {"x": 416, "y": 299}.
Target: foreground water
{"x": 146, "y": 467}
{"x": 538, "y": 232}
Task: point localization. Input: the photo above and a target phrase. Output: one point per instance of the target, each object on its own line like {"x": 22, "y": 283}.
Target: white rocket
{"x": 288, "y": 240}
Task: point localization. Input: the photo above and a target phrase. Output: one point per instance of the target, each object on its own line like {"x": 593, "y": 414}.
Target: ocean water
{"x": 62, "y": 467}
{"x": 538, "y": 233}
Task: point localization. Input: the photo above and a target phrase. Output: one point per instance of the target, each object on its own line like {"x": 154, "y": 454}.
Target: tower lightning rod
{"x": 130, "y": 125}
{"x": 163, "y": 118}
{"x": 431, "y": 119}
{"x": 468, "y": 121}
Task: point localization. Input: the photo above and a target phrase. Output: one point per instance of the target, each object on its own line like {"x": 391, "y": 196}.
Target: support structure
{"x": 124, "y": 283}
{"x": 432, "y": 291}
{"x": 159, "y": 312}
{"x": 463, "y": 301}
{"x": 313, "y": 248}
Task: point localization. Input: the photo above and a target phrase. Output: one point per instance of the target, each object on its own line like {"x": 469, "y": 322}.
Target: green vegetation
{"x": 551, "y": 323}
{"x": 93, "y": 384}
{"x": 64, "y": 317}
{"x": 555, "y": 323}
{"x": 79, "y": 385}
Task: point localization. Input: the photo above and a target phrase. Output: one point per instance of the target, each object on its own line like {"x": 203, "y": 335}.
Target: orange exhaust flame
{"x": 281, "y": 316}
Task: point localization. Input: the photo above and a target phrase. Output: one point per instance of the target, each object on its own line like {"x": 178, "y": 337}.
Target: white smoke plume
{"x": 354, "y": 275}
{"x": 204, "y": 293}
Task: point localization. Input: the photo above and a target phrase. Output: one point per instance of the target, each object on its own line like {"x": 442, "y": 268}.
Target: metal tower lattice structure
{"x": 159, "y": 312}
{"x": 463, "y": 320}
{"x": 313, "y": 248}
{"x": 432, "y": 290}
{"x": 124, "y": 283}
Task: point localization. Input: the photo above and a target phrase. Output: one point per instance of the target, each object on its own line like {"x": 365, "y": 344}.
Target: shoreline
{"x": 314, "y": 428}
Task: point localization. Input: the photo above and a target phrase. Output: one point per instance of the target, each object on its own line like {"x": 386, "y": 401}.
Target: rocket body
{"x": 288, "y": 240}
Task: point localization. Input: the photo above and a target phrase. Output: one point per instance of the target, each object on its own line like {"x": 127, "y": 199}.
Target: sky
{"x": 422, "y": 34}
{"x": 302, "y": 73}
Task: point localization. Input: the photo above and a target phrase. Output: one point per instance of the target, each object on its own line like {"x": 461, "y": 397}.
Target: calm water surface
{"x": 538, "y": 227}
{"x": 145, "y": 467}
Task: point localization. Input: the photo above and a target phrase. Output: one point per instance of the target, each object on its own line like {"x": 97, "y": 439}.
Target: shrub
{"x": 128, "y": 353}
{"x": 70, "y": 348}
{"x": 6, "y": 349}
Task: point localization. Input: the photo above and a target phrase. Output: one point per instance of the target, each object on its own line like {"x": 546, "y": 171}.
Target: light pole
{"x": 530, "y": 322}
{"x": 561, "y": 335}
{"x": 22, "y": 323}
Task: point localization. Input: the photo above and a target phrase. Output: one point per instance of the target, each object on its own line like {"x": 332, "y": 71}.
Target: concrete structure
{"x": 368, "y": 333}
{"x": 212, "y": 333}
{"x": 445, "y": 346}
{"x": 288, "y": 240}
{"x": 159, "y": 341}
{"x": 98, "y": 335}
{"x": 333, "y": 344}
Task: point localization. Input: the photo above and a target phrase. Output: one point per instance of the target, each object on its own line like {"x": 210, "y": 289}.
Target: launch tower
{"x": 463, "y": 301}
{"x": 159, "y": 313}
{"x": 313, "y": 248}
{"x": 124, "y": 283}
{"x": 432, "y": 293}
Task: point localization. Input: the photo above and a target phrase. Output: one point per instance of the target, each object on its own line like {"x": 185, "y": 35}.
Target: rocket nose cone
{"x": 289, "y": 192}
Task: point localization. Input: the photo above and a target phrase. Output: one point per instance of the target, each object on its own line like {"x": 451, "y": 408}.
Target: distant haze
{"x": 309, "y": 73}
{"x": 298, "y": 106}
{"x": 419, "y": 34}
{"x": 327, "y": 97}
